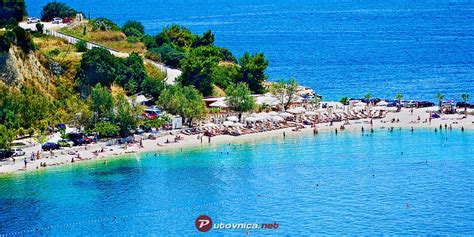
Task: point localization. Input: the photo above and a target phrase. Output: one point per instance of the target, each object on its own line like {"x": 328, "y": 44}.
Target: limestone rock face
{"x": 16, "y": 67}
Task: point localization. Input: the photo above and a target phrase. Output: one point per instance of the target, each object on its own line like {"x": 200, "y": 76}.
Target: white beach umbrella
{"x": 277, "y": 118}
{"x": 238, "y": 125}
{"x": 321, "y": 110}
{"x": 391, "y": 109}
{"x": 233, "y": 118}
{"x": 250, "y": 119}
{"x": 382, "y": 103}
{"x": 310, "y": 113}
{"x": 297, "y": 110}
{"x": 272, "y": 113}
{"x": 228, "y": 123}
{"x": 379, "y": 108}
{"x": 285, "y": 115}
{"x": 360, "y": 104}
{"x": 263, "y": 117}
{"x": 338, "y": 111}
{"x": 210, "y": 125}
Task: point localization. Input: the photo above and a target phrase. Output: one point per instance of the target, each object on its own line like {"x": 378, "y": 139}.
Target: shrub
{"x": 39, "y": 28}
{"x": 81, "y": 46}
{"x": 169, "y": 55}
{"x": 53, "y": 52}
{"x": 133, "y": 28}
{"x": 23, "y": 39}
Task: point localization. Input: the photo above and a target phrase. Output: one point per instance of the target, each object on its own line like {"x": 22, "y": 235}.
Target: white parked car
{"x": 57, "y": 20}
{"x": 18, "y": 152}
{"x": 31, "y": 20}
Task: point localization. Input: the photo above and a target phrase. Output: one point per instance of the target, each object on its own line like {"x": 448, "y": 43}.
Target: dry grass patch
{"x": 113, "y": 39}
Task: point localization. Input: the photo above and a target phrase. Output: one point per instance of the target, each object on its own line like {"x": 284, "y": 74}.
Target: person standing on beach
{"x": 284, "y": 135}
{"x": 209, "y": 139}
{"x": 26, "y": 162}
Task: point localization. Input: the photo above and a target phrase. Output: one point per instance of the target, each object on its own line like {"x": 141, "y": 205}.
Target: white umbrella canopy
{"x": 228, "y": 123}
{"x": 382, "y": 103}
{"x": 357, "y": 108}
{"x": 321, "y": 110}
{"x": 297, "y": 110}
{"x": 277, "y": 118}
{"x": 285, "y": 115}
{"x": 238, "y": 125}
{"x": 379, "y": 108}
{"x": 310, "y": 113}
{"x": 263, "y": 116}
{"x": 360, "y": 104}
{"x": 210, "y": 125}
{"x": 233, "y": 118}
{"x": 250, "y": 119}
{"x": 338, "y": 111}
{"x": 272, "y": 113}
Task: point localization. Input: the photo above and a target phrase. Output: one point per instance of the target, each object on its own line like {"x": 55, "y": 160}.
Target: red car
{"x": 67, "y": 20}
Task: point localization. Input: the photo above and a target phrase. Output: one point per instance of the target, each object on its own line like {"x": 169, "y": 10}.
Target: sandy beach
{"x": 100, "y": 151}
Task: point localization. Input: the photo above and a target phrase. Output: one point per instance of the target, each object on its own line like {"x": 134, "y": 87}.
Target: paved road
{"x": 51, "y": 29}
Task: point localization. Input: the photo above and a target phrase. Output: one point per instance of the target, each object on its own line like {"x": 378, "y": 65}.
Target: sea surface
{"x": 339, "y": 48}
{"x": 391, "y": 183}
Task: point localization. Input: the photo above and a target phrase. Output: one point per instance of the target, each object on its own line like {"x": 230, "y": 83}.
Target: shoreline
{"x": 62, "y": 158}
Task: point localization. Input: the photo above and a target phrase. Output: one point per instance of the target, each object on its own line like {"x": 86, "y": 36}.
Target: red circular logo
{"x": 203, "y": 223}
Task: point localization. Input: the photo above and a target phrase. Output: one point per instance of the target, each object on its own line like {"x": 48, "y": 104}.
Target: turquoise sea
{"x": 383, "y": 183}
{"x": 339, "y": 48}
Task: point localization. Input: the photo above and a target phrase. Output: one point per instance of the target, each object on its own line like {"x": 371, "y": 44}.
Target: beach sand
{"x": 64, "y": 156}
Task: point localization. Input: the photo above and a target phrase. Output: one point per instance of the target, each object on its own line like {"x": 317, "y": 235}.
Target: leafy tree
{"x": 98, "y": 65}
{"x": 23, "y": 39}
{"x": 126, "y": 115}
{"x": 206, "y": 39}
{"x": 152, "y": 86}
{"x": 187, "y": 102}
{"x": 168, "y": 55}
{"x": 225, "y": 74}
{"x": 440, "y": 98}
{"x": 56, "y": 9}
{"x": 368, "y": 96}
{"x": 177, "y": 35}
{"x": 149, "y": 42}
{"x": 344, "y": 100}
{"x": 227, "y": 55}
{"x": 285, "y": 91}
{"x": 133, "y": 28}
{"x": 399, "y": 97}
{"x": 135, "y": 70}
{"x": 6, "y": 137}
{"x": 252, "y": 70}
{"x": 102, "y": 102}
{"x": 197, "y": 69}
{"x": 239, "y": 98}
{"x": 107, "y": 129}
{"x": 465, "y": 98}
{"x": 11, "y": 12}
{"x": 81, "y": 46}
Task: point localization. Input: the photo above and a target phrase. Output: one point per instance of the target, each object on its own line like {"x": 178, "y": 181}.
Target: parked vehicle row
{"x": 56, "y": 20}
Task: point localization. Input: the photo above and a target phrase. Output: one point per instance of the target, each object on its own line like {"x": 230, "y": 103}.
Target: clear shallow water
{"x": 322, "y": 185}
{"x": 339, "y": 48}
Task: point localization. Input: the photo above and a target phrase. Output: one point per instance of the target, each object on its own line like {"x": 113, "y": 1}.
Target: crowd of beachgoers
{"x": 229, "y": 128}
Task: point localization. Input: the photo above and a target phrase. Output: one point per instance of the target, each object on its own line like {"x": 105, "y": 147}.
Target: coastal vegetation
{"x": 11, "y": 12}
{"x": 239, "y": 98}
{"x": 57, "y": 9}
